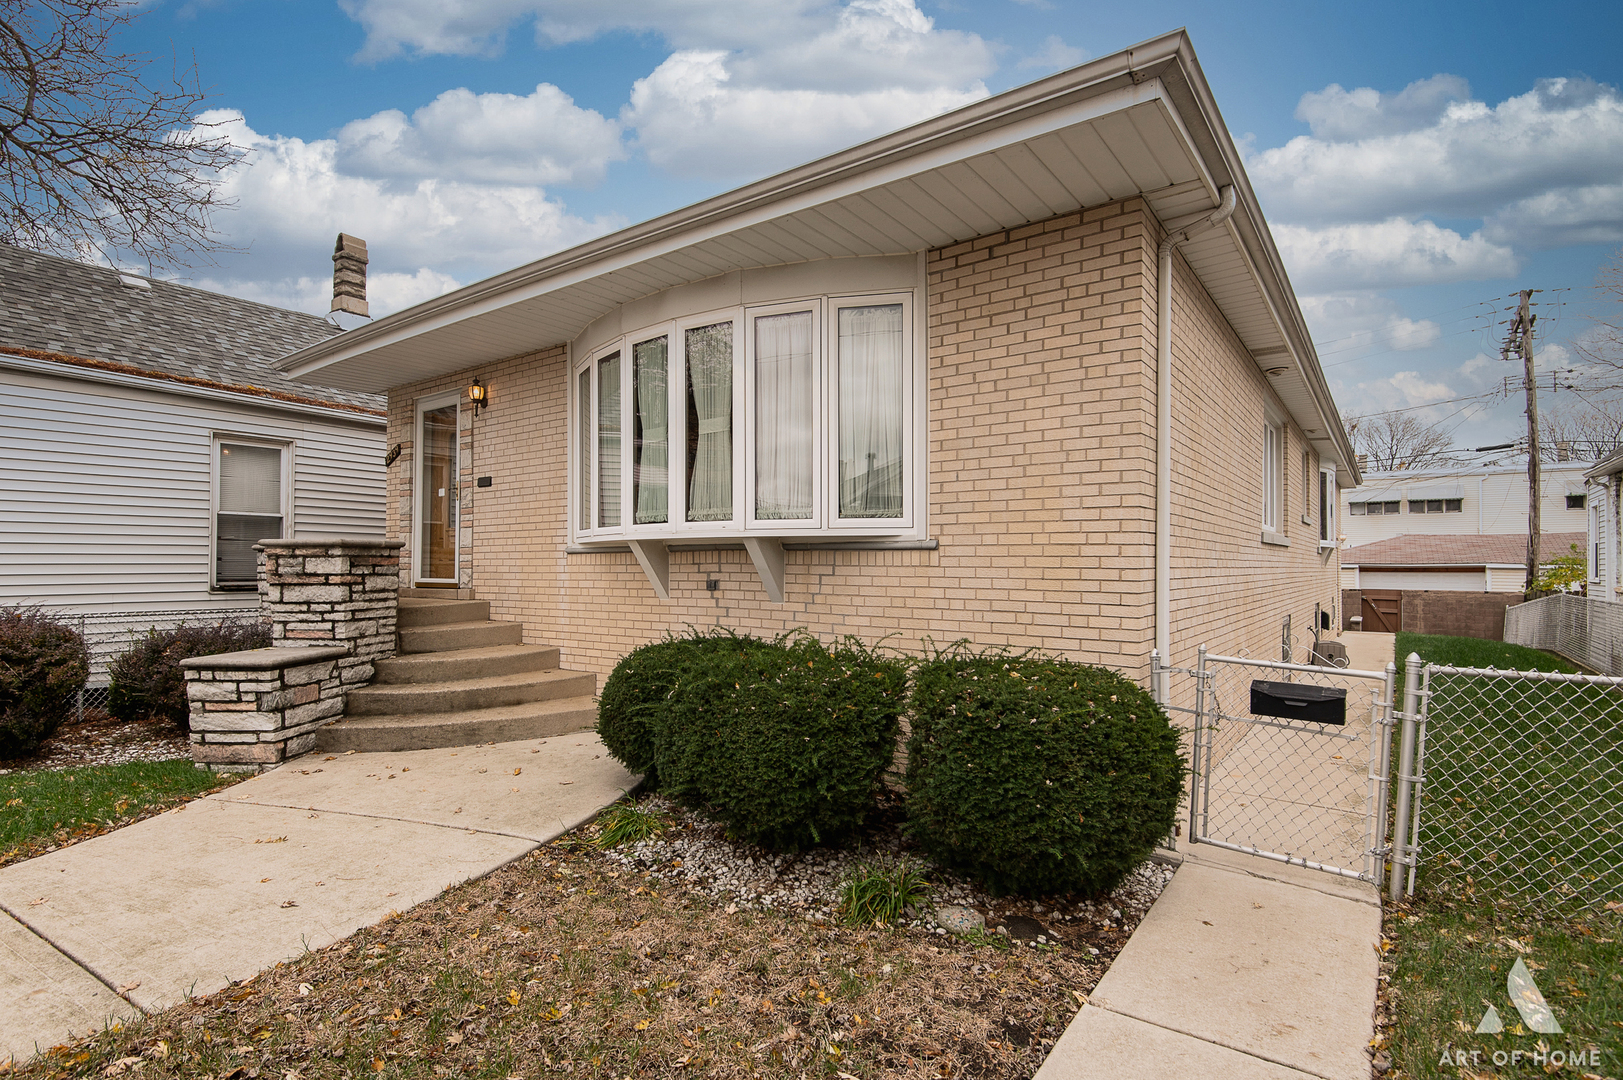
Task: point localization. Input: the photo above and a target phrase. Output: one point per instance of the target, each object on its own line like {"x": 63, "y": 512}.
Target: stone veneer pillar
{"x": 332, "y": 608}
{"x": 333, "y": 592}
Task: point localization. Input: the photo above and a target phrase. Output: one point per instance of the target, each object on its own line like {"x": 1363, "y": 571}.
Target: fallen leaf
{"x": 565, "y": 782}
{"x": 304, "y": 989}
{"x": 642, "y": 1025}
{"x": 36, "y": 903}
{"x": 513, "y": 997}
{"x": 272, "y": 840}
{"x": 263, "y": 880}
{"x": 127, "y": 987}
{"x": 1206, "y": 921}
{"x": 535, "y": 751}
{"x": 290, "y": 903}
{"x": 518, "y": 770}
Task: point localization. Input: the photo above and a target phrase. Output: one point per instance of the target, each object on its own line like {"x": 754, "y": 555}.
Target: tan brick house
{"x": 917, "y": 388}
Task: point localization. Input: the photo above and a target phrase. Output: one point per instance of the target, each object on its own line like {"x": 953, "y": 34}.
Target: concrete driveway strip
{"x": 1102, "y": 1045}
{"x": 537, "y": 789}
{"x": 46, "y": 998}
{"x": 1284, "y": 973}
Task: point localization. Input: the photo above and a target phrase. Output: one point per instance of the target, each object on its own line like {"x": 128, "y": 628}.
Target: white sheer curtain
{"x": 784, "y": 388}
{"x": 650, "y": 466}
{"x": 709, "y": 353}
{"x": 608, "y": 441}
{"x": 871, "y": 390}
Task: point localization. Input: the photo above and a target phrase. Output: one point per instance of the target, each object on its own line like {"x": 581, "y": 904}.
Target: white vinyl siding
{"x": 1445, "y": 580}
{"x": 1491, "y": 501}
{"x": 106, "y": 500}
{"x": 1507, "y": 578}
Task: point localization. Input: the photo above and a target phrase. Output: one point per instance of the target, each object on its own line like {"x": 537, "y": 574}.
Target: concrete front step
{"x": 427, "y": 731}
{"x": 460, "y": 635}
{"x": 437, "y": 667}
{"x": 462, "y": 694}
{"x": 440, "y": 612}
{"x": 422, "y": 592}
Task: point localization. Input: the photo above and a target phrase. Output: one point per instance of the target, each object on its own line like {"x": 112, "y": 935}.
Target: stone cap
{"x": 326, "y": 542}
{"x": 267, "y": 659}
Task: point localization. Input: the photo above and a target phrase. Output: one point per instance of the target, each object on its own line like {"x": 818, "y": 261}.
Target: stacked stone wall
{"x": 259, "y": 707}
{"x": 338, "y": 592}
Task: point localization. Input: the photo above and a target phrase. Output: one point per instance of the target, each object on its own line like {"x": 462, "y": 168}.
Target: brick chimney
{"x": 349, "y": 276}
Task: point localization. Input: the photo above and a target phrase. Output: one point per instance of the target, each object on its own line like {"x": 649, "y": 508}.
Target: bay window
{"x": 784, "y": 419}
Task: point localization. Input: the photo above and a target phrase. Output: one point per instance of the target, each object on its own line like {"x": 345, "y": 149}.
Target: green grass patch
{"x": 44, "y": 808}
{"x": 628, "y": 823}
{"x": 1449, "y": 961}
{"x": 877, "y": 892}
{"x": 1523, "y": 796}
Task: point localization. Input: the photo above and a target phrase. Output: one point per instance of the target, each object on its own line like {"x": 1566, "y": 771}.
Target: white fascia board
{"x": 538, "y": 279}
{"x": 165, "y": 386}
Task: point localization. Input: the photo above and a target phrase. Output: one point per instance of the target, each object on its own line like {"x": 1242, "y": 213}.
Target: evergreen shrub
{"x": 43, "y": 664}
{"x": 634, "y": 696}
{"x": 785, "y": 741}
{"x": 1036, "y": 774}
{"x": 147, "y": 677}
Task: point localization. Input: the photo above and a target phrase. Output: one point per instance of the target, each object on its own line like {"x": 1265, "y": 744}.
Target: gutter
{"x": 1163, "y": 421}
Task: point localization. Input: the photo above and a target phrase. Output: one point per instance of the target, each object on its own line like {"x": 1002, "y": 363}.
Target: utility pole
{"x": 1520, "y": 339}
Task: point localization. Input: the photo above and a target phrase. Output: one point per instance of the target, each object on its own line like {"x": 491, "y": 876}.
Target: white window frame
{"x": 1308, "y": 493}
{"x": 1273, "y": 476}
{"x": 825, "y": 522}
{"x": 218, "y": 438}
{"x": 1329, "y": 502}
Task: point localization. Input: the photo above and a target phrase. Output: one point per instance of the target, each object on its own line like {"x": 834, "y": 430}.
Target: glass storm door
{"x": 437, "y": 496}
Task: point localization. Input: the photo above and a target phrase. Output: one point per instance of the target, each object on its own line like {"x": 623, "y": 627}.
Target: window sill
{"x": 1273, "y": 539}
{"x": 1327, "y": 545}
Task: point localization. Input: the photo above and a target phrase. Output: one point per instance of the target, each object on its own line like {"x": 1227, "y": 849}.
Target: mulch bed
{"x": 576, "y": 961}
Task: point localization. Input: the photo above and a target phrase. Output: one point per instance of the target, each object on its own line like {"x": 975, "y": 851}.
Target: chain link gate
{"x": 1306, "y": 793}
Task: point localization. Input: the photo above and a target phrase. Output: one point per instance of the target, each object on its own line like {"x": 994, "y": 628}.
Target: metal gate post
{"x": 1419, "y": 773}
{"x": 1400, "y": 823}
{"x": 1382, "y": 756}
{"x": 1196, "y": 789}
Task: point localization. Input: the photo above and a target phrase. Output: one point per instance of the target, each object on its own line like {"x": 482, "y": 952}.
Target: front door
{"x": 1383, "y": 611}
{"x": 437, "y": 472}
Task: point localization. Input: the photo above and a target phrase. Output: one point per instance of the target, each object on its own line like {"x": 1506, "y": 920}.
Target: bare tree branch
{"x": 1588, "y": 431}
{"x": 1605, "y": 346}
{"x": 1395, "y": 440}
{"x": 92, "y": 159}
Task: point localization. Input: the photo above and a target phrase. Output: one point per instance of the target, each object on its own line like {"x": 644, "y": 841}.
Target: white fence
{"x": 1583, "y": 629}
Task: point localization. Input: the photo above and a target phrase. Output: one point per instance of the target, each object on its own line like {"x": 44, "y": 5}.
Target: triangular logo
{"x": 1490, "y": 1023}
{"x": 1524, "y": 994}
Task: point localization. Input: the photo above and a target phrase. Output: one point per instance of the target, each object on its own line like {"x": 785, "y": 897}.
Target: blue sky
{"x": 1417, "y": 162}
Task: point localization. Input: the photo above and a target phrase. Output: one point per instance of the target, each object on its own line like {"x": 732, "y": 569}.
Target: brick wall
{"x": 1444, "y": 611}
{"x": 1041, "y": 487}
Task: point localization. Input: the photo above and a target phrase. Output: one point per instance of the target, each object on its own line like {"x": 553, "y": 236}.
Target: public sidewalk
{"x": 1244, "y": 968}
{"x": 294, "y": 859}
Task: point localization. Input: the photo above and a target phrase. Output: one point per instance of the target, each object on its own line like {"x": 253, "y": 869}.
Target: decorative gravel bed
{"x": 101, "y": 740}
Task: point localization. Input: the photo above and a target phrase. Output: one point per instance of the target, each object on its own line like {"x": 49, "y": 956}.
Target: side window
{"x": 248, "y": 501}
{"x": 1272, "y": 478}
{"x": 1327, "y": 506}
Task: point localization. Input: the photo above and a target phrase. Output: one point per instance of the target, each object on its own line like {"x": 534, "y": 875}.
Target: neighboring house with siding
{"x": 968, "y": 380}
{"x": 149, "y": 444}
{"x": 1604, "y": 534}
{"x": 1463, "y": 501}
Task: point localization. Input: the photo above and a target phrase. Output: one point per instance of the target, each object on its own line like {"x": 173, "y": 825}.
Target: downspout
{"x": 1163, "y": 419}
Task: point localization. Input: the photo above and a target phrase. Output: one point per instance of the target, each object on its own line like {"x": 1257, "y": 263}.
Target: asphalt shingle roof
{"x": 1418, "y": 549}
{"x": 55, "y": 305}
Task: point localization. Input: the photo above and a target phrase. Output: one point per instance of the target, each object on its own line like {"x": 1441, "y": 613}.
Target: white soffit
{"x": 1101, "y": 133}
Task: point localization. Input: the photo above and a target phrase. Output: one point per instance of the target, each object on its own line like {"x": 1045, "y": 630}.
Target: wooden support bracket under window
{"x": 767, "y": 554}
{"x": 656, "y": 563}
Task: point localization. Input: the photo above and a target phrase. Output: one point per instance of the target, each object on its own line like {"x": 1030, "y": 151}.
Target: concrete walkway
{"x": 1244, "y": 968}
{"x": 294, "y": 859}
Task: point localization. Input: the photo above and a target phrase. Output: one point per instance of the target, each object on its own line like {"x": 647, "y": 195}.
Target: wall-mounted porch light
{"x": 479, "y": 394}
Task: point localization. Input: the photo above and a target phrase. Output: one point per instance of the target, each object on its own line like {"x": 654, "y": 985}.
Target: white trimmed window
{"x": 250, "y": 505}
{"x": 1327, "y": 507}
{"x": 784, "y": 419}
{"x": 1375, "y": 507}
{"x": 1273, "y": 475}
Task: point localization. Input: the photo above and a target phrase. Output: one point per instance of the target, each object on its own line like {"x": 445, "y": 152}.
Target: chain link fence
{"x": 109, "y": 633}
{"x": 1581, "y": 628}
{"x": 1520, "y": 777}
{"x": 1306, "y": 792}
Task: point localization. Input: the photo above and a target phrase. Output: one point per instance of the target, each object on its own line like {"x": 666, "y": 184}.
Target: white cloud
{"x": 541, "y": 138}
{"x": 1397, "y": 251}
{"x": 1054, "y": 55}
{"x": 1579, "y": 215}
{"x": 1471, "y": 160}
{"x": 292, "y": 198}
{"x": 692, "y": 120}
{"x": 1347, "y": 325}
{"x": 1337, "y": 114}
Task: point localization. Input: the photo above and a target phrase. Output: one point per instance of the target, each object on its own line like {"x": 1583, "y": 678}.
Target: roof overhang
{"x": 1139, "y": 123}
